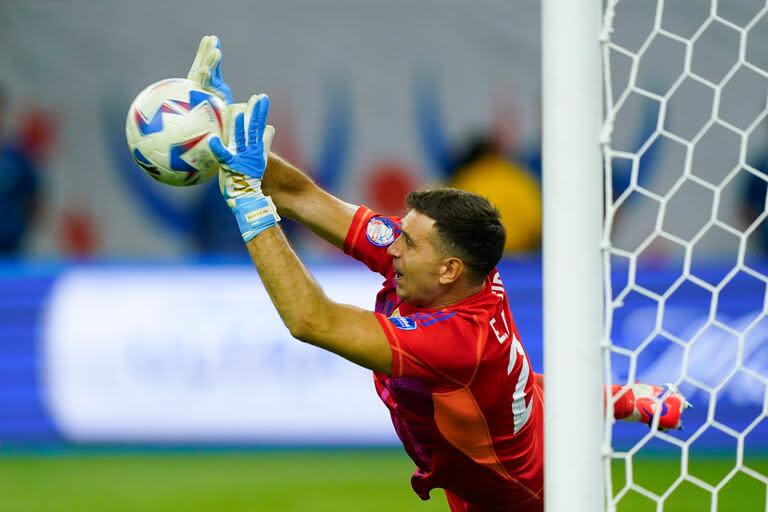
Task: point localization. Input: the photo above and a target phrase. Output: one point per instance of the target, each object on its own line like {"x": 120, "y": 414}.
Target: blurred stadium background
{"x": 142, "y": 366}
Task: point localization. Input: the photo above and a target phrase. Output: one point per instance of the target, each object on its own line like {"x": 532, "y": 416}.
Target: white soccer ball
{"x": 167, "y": 129}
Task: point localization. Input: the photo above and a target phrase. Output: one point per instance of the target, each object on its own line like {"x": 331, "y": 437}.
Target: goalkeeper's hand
{"x": 206, "y": 69}
{"x": 243, "y": 165}
{"x": 206, "y": 73}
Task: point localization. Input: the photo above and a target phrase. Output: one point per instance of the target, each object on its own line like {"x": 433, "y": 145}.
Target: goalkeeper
{"x": 446, "y": 355}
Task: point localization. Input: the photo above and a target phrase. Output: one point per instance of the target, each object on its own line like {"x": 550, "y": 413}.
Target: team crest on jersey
{"x": 403, "y": 322}
{"x": 380, "y": 231}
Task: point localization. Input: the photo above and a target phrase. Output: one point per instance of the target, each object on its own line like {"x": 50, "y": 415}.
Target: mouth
{"x": 398, "y": 275}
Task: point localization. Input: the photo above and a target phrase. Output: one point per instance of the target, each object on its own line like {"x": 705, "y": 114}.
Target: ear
{"x": 451, "y": 269}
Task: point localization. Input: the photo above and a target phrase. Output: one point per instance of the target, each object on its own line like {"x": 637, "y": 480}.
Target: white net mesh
{"x": 685, "y": 147}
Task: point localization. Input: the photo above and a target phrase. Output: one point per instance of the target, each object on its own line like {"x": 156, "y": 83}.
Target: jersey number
{"x": 520, "y": 412}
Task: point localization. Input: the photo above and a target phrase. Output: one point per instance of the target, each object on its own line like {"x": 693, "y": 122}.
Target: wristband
{"x": 254, "y": 215}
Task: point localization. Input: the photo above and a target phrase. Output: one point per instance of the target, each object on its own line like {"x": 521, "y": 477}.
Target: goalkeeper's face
{"x": 418, "y": 263}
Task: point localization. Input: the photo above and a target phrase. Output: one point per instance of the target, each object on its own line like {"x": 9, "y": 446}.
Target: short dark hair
{"x": 469, "y": 227}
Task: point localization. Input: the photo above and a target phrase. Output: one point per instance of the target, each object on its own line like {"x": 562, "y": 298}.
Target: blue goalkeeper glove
{"x": 206, "y": 69}
{"x": 206, "y": 74}
{"x": 243, "y": 165}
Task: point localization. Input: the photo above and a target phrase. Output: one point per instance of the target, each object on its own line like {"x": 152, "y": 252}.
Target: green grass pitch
{"x": 292, "y": 480}
{"x": 657, "y": 474}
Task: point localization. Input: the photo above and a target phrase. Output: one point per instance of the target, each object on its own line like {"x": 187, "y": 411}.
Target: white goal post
{"x": 655, "y": 170}
{"x": 572, "y": 218}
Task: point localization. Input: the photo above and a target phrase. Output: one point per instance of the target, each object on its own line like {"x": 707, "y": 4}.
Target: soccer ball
{"x": 167, "y": 129}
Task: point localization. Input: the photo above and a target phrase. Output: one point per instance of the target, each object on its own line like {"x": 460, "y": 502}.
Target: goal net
{"x": 685, "y": 150}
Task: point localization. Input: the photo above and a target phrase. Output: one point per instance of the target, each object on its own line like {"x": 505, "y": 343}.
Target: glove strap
{"x": 254, "y": 215}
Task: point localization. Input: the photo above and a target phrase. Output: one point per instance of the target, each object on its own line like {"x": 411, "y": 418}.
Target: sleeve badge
{"x": 380, "y": 231}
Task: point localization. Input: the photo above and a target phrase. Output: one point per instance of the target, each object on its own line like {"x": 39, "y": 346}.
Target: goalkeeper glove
{"x": 206, "y": 69}
{"x": 243, "y": 165}
{"x": 206, "y": 74}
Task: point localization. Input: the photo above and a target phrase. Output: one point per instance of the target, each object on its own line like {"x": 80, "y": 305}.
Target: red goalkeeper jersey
{"x": 462, "y": 394}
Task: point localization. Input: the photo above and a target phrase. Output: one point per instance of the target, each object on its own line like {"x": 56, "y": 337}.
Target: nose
{"x": 394, "y": 248}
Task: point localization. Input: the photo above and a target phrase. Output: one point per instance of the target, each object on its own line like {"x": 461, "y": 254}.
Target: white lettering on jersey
{"x": 520, "y": 411}
{"x": 499, "y": 336}
{"x": 497, "y": 287}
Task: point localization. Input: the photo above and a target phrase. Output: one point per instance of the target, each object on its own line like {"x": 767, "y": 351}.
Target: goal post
{"x": 655, "y": 117}
{"x": 572, "y": 99}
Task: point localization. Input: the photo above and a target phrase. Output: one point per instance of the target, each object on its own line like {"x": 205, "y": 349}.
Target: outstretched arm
{"x": 293, "y": 192}
{"x": 310, "y": 316}
{"x": 299, "y": 198}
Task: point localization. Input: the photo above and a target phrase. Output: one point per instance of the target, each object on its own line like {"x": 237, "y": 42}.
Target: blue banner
{"x": 706, "y": 331}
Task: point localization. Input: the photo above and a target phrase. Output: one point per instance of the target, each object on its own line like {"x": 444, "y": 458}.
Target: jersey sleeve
{"x": 440, "y": 347}
{"x": 368, "y": 238}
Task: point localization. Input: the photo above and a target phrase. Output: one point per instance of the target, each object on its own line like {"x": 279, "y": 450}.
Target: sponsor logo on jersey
{"x": 380, "y": 231}
{"x": 403, "y": 322}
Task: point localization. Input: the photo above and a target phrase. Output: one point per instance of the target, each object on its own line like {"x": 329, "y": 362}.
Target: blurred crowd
{"x": 25, "y": 150}
{"x": 488, "y": 162}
